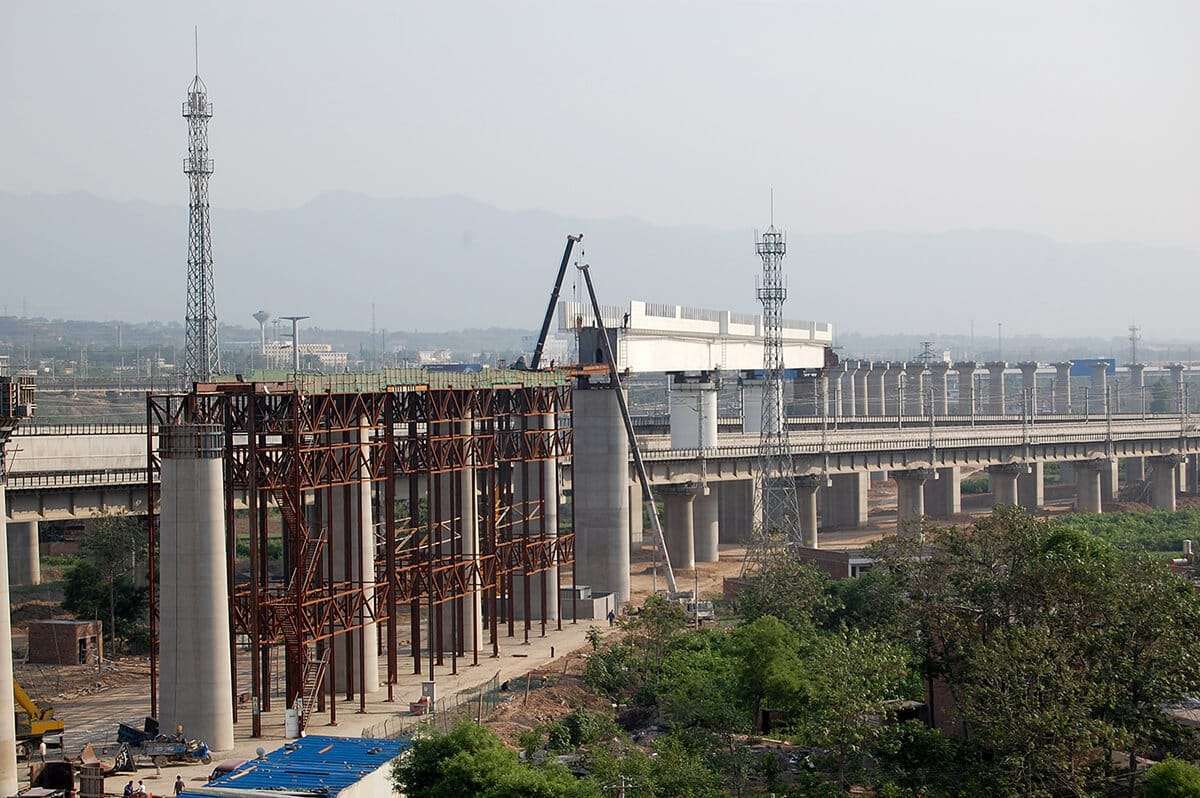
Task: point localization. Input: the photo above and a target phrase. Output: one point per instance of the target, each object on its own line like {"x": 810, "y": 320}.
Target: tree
{"x": 113, "y": 546}
{"x": 1172, "y": 779}
{"x": 470, "y": 760}
{"x": 794, "y": 592}
{"x": 86, "y": 596}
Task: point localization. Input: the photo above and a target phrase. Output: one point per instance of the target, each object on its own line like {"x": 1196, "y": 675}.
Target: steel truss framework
{"x": 302, "y": 452}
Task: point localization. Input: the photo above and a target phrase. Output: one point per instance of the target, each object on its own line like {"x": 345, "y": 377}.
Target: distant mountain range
{"x": 448, "y": 263}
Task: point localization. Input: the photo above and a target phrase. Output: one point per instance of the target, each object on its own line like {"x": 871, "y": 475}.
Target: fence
{"x": 472, "y": 703}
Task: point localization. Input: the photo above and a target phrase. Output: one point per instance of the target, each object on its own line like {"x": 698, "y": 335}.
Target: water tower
{"x": 262, "y": 317}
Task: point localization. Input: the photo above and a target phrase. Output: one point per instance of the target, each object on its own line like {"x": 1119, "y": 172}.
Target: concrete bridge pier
{"x": 1088, "y": 475}
{"x": 877, "y": 386}
{"x": 943, "y": 495}
{"x": 1031, "y": 486}
{"x": 1099, "y": 393}
{"x": 195, "y": 688}
{"x": 752, "y": 408}
{"x": 1192, "y": 483}
{"x": 636, "y": 518}
{"x": 601, "y": 479}
{"x": 1003, "y": 479}
{"x": 1176, "y": 386}
{"x": 845, "y": 500}
{"x": 8, "y": 730}
{"x": 849, "y": 379}
{"x": 938, "y": 382}
{"x": 806, "y": 496}
{"x": 914, "y": 388}
{"x": 357, "y": 528}
{"x": 892, "y": 398}
{"x": 862, "y": 388}
{"x": 24, "y": 558}
{"x": 1109, "y": 486}
{"x": 1164, "y": 481}
{"x": 1135, "y": 396}
{"x": 966, "y": 387}
{"x": 910, "y": 498}
{"x": 693, "y": 412}
{"x": 735, "y": 510}
{"x": 680, "y": 530}
{"x": 705, "y": 525}
{"x": 1062, "y": 387}
{"x": 1135, "y": 469}
{"x": 1029, "y": 384}
{"x": 996, "y": 403}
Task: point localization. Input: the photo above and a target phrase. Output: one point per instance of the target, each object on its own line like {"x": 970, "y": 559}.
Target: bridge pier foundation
{"x": 943, "y": 496}
{"x": 24, "y": 562}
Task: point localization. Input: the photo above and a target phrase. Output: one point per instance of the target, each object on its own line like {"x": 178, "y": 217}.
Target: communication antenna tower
{"x": 1135, "y": 335}
{"x": 776, "y": 525}
{"x": 202, "y": 358}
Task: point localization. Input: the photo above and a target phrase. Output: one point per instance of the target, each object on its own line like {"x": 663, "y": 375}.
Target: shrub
{"x": 1173, "y": 778}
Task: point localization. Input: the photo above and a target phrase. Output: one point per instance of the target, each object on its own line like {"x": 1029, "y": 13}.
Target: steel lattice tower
{"x": 203, "y": 354}
{"x": 776, "y": 506}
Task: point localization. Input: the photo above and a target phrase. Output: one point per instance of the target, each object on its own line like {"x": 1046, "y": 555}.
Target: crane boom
{"x": 558, "y": 281}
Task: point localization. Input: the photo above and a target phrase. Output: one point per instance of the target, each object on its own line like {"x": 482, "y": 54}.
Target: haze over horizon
{"x": 934, "y": 163}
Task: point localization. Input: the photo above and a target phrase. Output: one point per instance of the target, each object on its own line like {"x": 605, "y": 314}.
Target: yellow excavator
{"x": 34, "y": 723}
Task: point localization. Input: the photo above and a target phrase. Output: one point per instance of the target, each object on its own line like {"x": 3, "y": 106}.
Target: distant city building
{"x": 279, "y": 355}
{"x": 427, "y": 356}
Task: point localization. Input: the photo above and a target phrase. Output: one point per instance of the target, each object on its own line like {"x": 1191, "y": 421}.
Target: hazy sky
{"x": 1078, "y": 120}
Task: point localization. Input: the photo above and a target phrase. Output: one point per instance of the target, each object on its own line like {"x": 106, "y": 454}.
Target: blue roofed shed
{"x": 345, "y": 767}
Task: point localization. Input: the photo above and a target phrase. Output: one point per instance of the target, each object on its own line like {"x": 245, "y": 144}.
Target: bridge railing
{"x": 82, "y": 428}
{"x": 88, "y": 477}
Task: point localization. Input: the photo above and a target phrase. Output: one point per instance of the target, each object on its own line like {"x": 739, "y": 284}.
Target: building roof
{"x": 316, "y": 765}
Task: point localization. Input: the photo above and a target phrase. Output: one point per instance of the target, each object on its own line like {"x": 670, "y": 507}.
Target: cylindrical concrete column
{"x": 943, "y": 495}
{"x": 1003, "y": 479}
{"x": 1099, "y": 393}
{"x": 693, "y": 411}
{"x": 996, "y": 404}
{"x": 914, "y": 388}
{"x": 910, "y": 498}
{"x": 845, "y": 500}
{"x": 1135, "y": 395}
{"x": 806, "y": 498}
{"x": 1176, "y": 386}
{"x": 680, "y": 531}
{"x": 705, "y": 532}
{"x": 862, "y": 389}
{"x": 358, "y": 564}
{"x": 1029, "y": 384}
{"x": 753, "y": 418}
{"x": 1164, "y": 481}
{"x": 600, "y": 480}
{"x": 1191, "y": 485}
{"x": 938, "y": 383}
{"x": 966, "y": 386}
{"x": 8, "y": 727}
{"x": 636, "y": 517}
{"x": 195, "y": 687}
{"x": 878, "y": 384}
{"x": 836, "y": 406}
{"x": 1135, "y": 469}
{"x": 892, "y": 388}
{"x": 24, "y": 559}
{"x": 1031, "y": 486}
{"x": 735, "y": 508}
{"x": 1087, "y": 486}
{"x": 850, "y": 388}
{"x": 1062, "y": 387}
